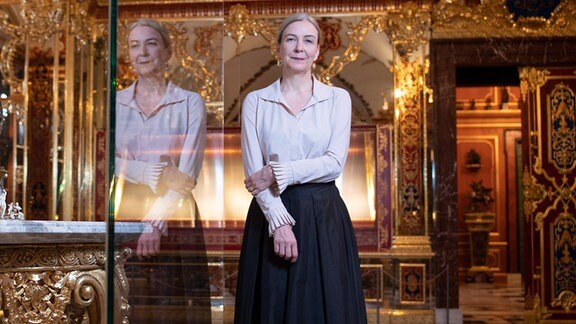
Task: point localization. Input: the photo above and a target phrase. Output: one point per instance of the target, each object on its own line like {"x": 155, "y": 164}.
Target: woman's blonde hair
{"x": 301, "y": 16}
{"x": 157, "y": 26}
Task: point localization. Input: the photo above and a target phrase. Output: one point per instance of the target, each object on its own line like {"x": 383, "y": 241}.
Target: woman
{"x": 160, "y": 139}
{"x": 299, "y": 261}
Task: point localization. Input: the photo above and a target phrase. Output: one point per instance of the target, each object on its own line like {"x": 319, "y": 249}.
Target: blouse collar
{"x": 174, "y": 94}
{"x": 320, "y": 92}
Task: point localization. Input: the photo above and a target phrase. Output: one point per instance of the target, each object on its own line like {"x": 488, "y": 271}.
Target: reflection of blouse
{"x": 174, "y": 134}
{"x": 309, "y": 147}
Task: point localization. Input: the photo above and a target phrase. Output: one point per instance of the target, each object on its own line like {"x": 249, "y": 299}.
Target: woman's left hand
{"x": 260, "y": 180}
{"x": 177, "y": 180}
{"x": 149, "y": 243}
{"x": 285, "y": 244}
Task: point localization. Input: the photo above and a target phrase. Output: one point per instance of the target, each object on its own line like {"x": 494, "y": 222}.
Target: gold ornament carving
{"x": 355, "y": 38}
{"x": 59, "y": 284}
{"x": 566, "y": 299}
{"x": 539, "y": 312}
{"x": 206, "y": 38}
{"x": 239, "y": 24}
{"x": 51, "y": 296}
{"x": 560, "y": 195}
{"x": 210, "y": 89}
{"x": 409, "y": 28}
{"x": 122, "y": 287}
{"x": 41, "y": 20}
{"x": 409, "y": 78}
{"x": 534, "y": 193}
{"x": 491, "y": 18}
{"x": 530, "y": 79}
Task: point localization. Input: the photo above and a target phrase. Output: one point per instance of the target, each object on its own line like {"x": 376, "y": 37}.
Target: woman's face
{"x": 299, "y": 47}
{"x": 148, "y": 53}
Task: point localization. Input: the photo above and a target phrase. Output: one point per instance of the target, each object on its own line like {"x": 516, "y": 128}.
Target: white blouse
{"x": 174, "y": 134}
{"x": 311, "y": 146}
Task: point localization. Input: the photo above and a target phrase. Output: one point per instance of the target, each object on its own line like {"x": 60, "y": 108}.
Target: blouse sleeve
{"x": 253, "y": 160}
{"x": 192, "y": 153}
{"x": 190, "y": 161}
{"x": 329, "y": 166}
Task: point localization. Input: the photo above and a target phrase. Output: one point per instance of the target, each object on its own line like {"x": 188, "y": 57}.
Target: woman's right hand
{"x": 173, "y": 178}
{"x": 260, "y": 181}
{"x": 149, "y": 243}
{"x": 285, "y": 245}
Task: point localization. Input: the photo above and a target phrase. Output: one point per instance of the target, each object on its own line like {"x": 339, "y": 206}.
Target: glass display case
{"x": 64, "y": 64}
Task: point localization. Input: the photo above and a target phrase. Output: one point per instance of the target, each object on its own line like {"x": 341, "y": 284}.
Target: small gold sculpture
{"x": 480, "y": 198}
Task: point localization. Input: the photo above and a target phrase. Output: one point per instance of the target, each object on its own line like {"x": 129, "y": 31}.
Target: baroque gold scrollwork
{"x": 210, "y": 89}
{"x": 530, "y": 79}
{"x": 559, "y": 194}
{"x": 239, "y": 24}
{"x": 537, "y": 312}
{"x": 409, "y": 78}
{"x": 50, "y": 296}
{"x": 408, "y": 27}
{"x": 42, "y": 20}
{"x": 534, "y": 193}
{"x": 355, "y": 38}
{"x": 41, "y": 284}
{"x": 491, "y": 18}
{"x": 566, "y": 300}
{"x": 563, "y": 262}
{"x": 121, "y": 299}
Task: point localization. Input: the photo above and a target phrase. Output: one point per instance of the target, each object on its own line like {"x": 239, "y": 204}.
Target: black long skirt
{"x": 174, "y": 285}
{"x": 323, "y": 285}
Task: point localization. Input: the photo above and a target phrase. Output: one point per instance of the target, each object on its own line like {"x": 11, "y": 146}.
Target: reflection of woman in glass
{"x": 299, "y": 261}
{"x": 160, "y": 139}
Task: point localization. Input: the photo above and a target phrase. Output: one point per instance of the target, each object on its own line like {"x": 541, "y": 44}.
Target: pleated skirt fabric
{"x": 323, "y": 285}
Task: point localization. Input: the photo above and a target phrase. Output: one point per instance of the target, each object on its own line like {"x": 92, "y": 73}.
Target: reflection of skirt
{"x": 173, "y": 286}
{"x": 323, "y": 286}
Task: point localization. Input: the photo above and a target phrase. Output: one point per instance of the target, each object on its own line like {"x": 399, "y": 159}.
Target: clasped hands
{"x": 262, "y": 180}
{"x": 285, "y": 244}
{"x": 171, "y": 178}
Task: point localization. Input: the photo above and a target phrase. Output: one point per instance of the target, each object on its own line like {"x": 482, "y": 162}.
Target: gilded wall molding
{"x": 455, "y": 19}
{"x": 264, "y": 8}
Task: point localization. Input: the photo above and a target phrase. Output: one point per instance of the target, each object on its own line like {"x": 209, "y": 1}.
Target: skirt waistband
{"x": 310, "y": 186}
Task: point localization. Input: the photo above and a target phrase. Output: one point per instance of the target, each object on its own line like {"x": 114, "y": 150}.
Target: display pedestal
{"x": 479, "y": 226}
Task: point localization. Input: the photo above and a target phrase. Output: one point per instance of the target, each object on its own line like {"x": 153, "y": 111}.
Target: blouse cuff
{"x": 283, "y": 174}
{"x": 151, "y": 174}
{"x": 278, "y": 217}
